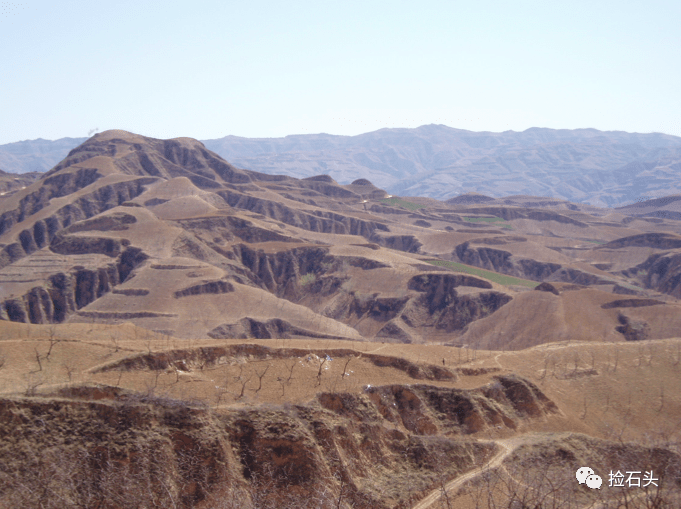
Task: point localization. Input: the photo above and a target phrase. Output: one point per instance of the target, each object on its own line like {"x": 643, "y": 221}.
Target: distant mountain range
{"x": 583, "y": 165}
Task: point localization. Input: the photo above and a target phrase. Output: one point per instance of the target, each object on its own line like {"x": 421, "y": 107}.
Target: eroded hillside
{"x": 166, "y": 234}
{"x": 117, "y": 416}
{"x": 179, "y": 332}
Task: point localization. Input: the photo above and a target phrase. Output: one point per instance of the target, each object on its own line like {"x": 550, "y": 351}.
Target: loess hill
{"x": 205, "y": 335}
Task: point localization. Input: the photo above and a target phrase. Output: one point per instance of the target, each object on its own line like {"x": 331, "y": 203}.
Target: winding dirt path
{"x": 507, "y": 446}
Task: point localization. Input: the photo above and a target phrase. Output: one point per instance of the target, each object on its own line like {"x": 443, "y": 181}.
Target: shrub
{"x": 307, "y": 279}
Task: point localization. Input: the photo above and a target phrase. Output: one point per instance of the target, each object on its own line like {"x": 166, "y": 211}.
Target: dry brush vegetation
{"x": 153, "y": 422}
{"x": 178, "y": 332}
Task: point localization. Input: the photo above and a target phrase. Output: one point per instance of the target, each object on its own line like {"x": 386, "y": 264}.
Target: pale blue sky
{"x": 206, "y": 69}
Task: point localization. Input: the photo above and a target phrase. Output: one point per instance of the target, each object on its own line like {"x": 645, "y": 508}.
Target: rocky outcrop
{"x": 485, "y": 257}
{"x": 250, "y": 328}
{"x": 296, "y": 272}
{"x": 407, "y": 243}
{"x": 511, "y": 213}
{"x": 351, "y": 307}
{"x": 631, "y": 303}
{"x": 393, "y": 333}
{"x": 632, "y": 330}
{"x": 578, "y": 277}
{"x": 504, "y": 262}
{"x": 42, "y": 232}
{"x": 131, "y": 292}
{"x": 199, "y": 358}
{"x": 651, "y": 240}
{"x": 230, "y": 227}
{"x": 317, "y": 221}
{"x": 427, "y": 410}
{"x": 66, "y": 292}
{"x": 77, "y": 245}
{"x": 214, "y": 287}
{"x": 438, "y": 286}
{"x": 280, "y": 272}
{"x": 661, "y": 272}
{"x": 441, "y": 307}
{"x": 11, "y": 182}
{"x": 527, "y": 268}
{"x": 547, "y": 287}
{"x": 116, "y": 221}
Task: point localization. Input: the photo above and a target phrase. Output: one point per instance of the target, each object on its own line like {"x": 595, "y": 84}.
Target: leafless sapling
{"x": 243, "y": 386}
{"x": 282, "y": 382}
{"x": 290, "y": 371}
{"x": 69, "y": 367}
{"x": 37, "y": 358}
{"x": 321, "y": 367}
{"x": 32, "y": 384}
{"x": 260, "y": 377}
{"x": 53, "y": 340}
{"x": 345, "y": 367}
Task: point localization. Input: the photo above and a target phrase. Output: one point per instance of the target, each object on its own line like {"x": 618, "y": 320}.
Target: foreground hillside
{"x": 113, "y": 416}
{"x": 179, "y": 332}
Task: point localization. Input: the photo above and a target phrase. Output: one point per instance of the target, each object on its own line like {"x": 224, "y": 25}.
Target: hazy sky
{"x": 206, "y": 69}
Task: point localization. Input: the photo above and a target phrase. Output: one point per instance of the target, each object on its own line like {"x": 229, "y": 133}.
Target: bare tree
{"x": 32, "y": 383}
{"x": 260, "y": 377}
{"x": 53, "y": 340}
{"x": 321, "y": 367}
{"x": 345, "y": 367}
{"x": 290, "y": 371}
{"x": 243, "y": 386}
{"x": 37, "y": 358}
{"x": 282, "y": 382}
{"x": 69, "y": 366}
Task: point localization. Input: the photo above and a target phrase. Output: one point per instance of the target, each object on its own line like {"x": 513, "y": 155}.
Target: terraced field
{"x": 487, "y": 274}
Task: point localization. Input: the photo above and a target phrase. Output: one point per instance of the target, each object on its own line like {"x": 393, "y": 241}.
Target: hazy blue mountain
{"x": 35, "y": 155}
{"x": 606, "y": 168}
{"x": 586, "y": 165}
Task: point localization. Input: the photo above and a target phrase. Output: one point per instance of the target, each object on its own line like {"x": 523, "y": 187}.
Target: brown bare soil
{"x": 178, "y": 332}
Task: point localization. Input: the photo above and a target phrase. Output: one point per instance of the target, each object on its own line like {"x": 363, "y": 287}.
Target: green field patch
{"x": 487, "y": 274}
{"x": 399, "y": 202}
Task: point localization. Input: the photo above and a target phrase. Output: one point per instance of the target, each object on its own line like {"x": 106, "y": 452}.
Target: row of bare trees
{"x": 152, "y": 477}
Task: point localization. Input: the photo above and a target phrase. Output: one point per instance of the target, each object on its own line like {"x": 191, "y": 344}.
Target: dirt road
{"x": 506, "y": 447}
